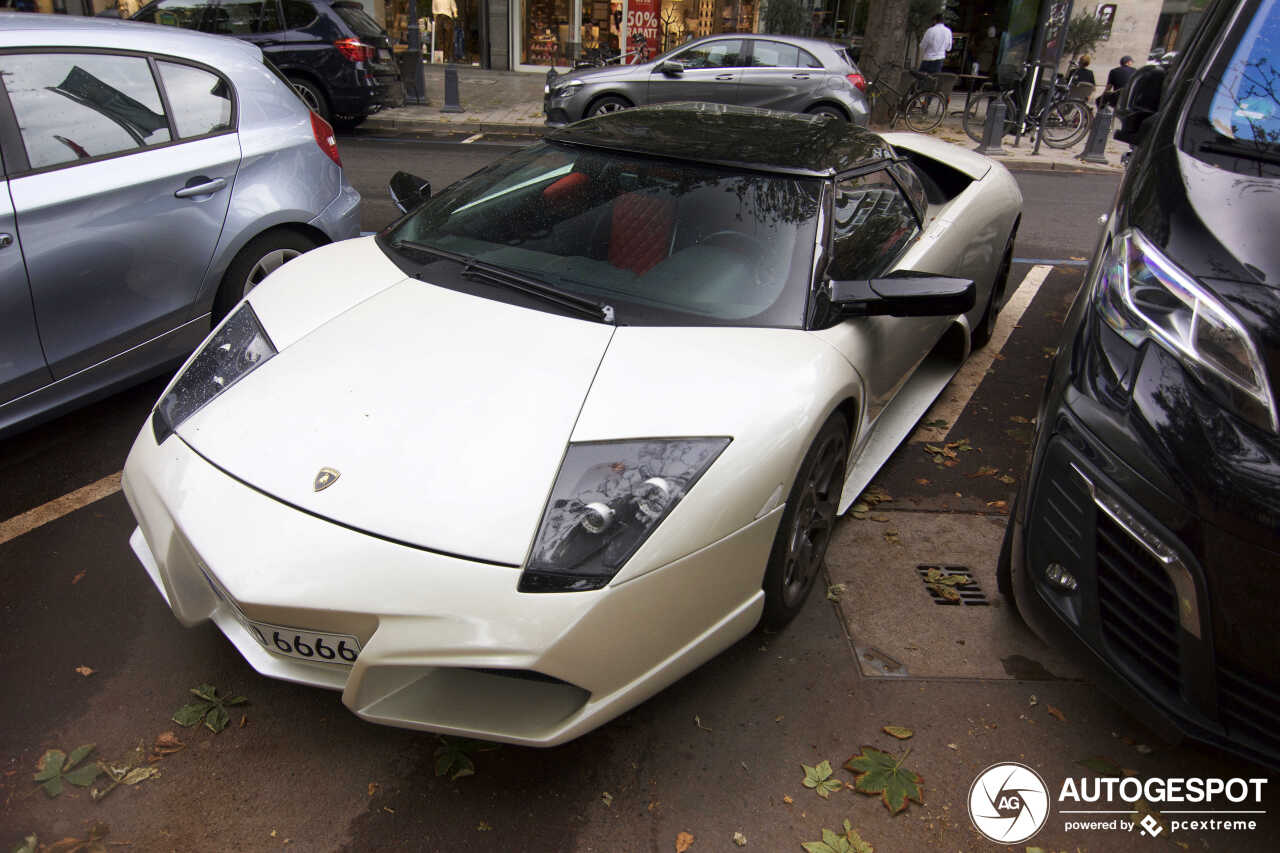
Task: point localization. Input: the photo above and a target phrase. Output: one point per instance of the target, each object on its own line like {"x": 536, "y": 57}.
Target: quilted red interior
{"x": 640, "y": 232}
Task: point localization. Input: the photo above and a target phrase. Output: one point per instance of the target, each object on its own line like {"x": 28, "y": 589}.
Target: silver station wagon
{"x": 803, "y": 75}
{"x": 151, "y": 176}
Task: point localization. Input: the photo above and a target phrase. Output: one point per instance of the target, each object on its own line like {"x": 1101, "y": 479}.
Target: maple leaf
{"x": 882, "y": 773}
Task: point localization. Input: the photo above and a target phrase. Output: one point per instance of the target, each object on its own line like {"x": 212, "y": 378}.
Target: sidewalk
{"x": 509, "y": 103}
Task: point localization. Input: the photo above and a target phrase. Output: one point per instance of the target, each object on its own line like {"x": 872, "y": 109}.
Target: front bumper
{"x": 1148, "y": 616}
{"x": 448, "y": 644}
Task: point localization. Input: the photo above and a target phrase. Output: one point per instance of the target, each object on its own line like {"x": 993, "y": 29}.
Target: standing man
{"x": 1117, "y": 79}
{"x": 934, "y": 46}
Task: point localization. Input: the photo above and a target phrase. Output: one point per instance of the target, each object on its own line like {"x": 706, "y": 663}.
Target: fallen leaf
{"x": 1034, "y": 701}
{"x": 835, "y": 591}
{"x": 373, "y": 788}
{"x": 984, "y": 471}
{"x": 998, "y": 504}
{"x": 388, "y": 810}
{"x": 606, "y": 798}
{"x": 739, "y": 839}
{"x": 880, "y": 517}
{"x": 882, "y": 773}
{"x": 891, "y": 536}
{"x": 1054, "y": 712}
{"x": 936, "y": 423}
{"x": 79, "y": 576}
{"x": 1007, "y": 480}
{"x": 952, "y": 746}
{"x": 923, "y": 481}
{"x": 697, "y": 721}
{"x": 786, "y": 799}
{"x": 483, "y": 826}
{"x": 1019, "y": 419}
{"x": 1143, "y": 749}
{"x": 56, "y": 767}
{"x": 85, "y": 670}
{"x": 684, "y": 841}
{"x": 860, "y": 506}
{"x": 166, "y": 743}
{"x": 898, "y": 731}
{"x": 819, "y": 779}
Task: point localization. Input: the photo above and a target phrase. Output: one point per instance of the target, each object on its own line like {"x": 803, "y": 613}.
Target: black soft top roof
{"x": 761, "y": 140}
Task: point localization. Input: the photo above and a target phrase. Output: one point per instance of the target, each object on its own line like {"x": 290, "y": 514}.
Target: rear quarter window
{"x": 360, "y": 23}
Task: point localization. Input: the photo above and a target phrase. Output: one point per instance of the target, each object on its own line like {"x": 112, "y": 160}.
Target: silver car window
{"x": 200, "y": 100}
{"x": 723, "y": 53}
{"x": 78, "y": 106}
{"x": 776, "y": 54}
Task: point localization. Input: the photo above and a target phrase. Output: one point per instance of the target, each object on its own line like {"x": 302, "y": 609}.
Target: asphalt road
{"x": 717, "y": 753}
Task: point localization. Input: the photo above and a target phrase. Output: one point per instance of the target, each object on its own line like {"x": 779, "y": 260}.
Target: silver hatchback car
{"x": 803, "y": 75}
{"x": 150, "y": 177}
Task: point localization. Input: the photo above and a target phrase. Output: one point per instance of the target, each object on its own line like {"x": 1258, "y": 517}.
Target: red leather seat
{"x": 640, "y": 232}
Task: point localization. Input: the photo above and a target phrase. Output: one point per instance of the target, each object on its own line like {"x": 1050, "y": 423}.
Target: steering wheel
{"x": 744, "y": 244}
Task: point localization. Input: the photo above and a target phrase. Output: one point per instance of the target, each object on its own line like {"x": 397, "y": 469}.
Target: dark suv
{"x": 339, "y": 60}
{"x": 1147, "y": 534}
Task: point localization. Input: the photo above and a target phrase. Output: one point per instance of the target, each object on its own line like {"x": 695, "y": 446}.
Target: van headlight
{"x": 608, "y": 497}
{"x": 1140, "y": 293}
{"x": 236, "y": 349}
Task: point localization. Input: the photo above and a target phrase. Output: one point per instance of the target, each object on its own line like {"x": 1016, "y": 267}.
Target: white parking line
{"x": 58, "y": 507}
{"x": 956, "y": 396}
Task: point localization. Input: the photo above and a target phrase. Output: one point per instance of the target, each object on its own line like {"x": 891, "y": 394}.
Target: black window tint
{"x": 187, "y": 14}
{"x": 245, "y": 17}
{"x": 872, "y": 225}
{"x": 774, "y": 54}
{"x": 361, "y": 24}
{"x": 200, "y": 100}
{"x": 298, "y": 14}
{"x": 74, "y": 106}
{"x": 724, "y": 53}
{"x": 911, "y": 185}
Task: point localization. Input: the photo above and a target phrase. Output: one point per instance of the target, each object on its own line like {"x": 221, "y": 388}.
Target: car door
{"x": 22, "y": 365}
{"x": 875, "y": 229}
{"x": 779, "y": 76}
{"x": 119, "y": 203}
{"x": 711, "y": 71}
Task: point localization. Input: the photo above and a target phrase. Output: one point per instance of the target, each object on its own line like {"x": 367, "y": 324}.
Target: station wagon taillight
{"x": 325, "y": 138}
{"x": 355, "y": 50}
{"x": 859, "y": 82}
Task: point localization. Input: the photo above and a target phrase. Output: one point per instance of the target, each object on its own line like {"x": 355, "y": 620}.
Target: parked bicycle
{"x": 921, "y": 106}
{"x": 1065, "y": 120}
{"x": 599, "y": 57}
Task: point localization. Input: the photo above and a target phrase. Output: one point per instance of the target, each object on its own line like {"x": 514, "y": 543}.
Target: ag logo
{"x": 1008, "y": 803}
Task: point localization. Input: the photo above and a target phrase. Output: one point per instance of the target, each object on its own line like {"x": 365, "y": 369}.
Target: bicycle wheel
{"x": 975, "y": 116}
{"x": 1065, "y": 123}
{"x": 925, "y": 111}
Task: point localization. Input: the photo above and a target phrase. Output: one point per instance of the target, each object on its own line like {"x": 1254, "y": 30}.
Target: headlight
{"x": 564, "y": 90}
{"x": 239, "y": 346}
{"x": 608, "y": 498}
{"x": 1140, "y": 293}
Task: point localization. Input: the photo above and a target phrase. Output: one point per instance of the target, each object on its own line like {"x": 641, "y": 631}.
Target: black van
{"x": 337, "y": 57}
{"x": 1148, "y": 532}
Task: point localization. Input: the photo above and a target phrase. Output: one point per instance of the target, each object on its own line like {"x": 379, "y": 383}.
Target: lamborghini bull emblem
{"x": 326, "y": 478}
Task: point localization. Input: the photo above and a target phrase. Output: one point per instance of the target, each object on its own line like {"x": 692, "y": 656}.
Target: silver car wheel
{"x": 268, "y": 264}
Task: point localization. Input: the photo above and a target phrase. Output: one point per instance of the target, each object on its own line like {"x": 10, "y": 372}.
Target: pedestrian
{"x": 1083, "y": 73}
{"x": 1117, "y": 79}
{"x": 934, "y": 46}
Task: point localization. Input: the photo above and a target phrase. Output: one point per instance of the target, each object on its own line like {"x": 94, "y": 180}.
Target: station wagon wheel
{"x": 808, "y": 521}
{"x": 260, "y": 257}
{"x": 828, "y": 110}
{"x": 608, "y": 104}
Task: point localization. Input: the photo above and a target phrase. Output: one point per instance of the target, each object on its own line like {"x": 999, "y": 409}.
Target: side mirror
{"x": 907, "y": 294}
{"x": 1139, "y": 100}
{"x": 408, "y": 191}
{"x": 672, "y": 67}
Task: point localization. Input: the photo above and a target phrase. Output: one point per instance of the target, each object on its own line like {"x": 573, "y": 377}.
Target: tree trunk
{"x": 885, "y": 43}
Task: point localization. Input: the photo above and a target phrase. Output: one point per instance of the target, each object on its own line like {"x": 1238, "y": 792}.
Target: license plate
{"x": 297, "y": 643}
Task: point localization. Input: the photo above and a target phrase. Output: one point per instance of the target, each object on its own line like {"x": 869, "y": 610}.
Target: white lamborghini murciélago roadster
{"x": 574, "y": 425}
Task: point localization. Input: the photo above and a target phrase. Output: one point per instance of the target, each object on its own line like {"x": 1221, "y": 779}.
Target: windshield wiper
{"x": 1241, "y": 149}
{"x": 533, "y": 287}
{"x": 472, "y": 268}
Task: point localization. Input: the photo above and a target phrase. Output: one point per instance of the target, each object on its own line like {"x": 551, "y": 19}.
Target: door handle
{"x": 205, "y": 187}
{"x": 724, "y": 76}
{"x": 799, "y": 76}
{"x": 6, "y": 240}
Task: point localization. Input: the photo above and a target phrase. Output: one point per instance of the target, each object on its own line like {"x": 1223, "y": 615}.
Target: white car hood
{"x": 446, "y": 416}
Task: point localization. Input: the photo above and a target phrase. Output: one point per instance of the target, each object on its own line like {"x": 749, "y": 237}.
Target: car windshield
{"x": 1245, "y": 103}
{"x": 663, "y": 242}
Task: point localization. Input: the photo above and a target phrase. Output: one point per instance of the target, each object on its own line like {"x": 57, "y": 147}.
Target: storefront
{"x": 543, "y": 33}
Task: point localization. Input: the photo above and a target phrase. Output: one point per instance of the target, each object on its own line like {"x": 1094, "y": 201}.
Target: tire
{"x": 925, "y": 111}
{"x": 827, "y": 110}
{"x": 981, "y": 334}
{"x": 608, "y": 104}
{"x": 259, "y": 258}
{"x": 975, "y": 117}
{"x": 313, "y": 97}
{"x": 807, "y": 523}
{"x": 1065, "y": 123}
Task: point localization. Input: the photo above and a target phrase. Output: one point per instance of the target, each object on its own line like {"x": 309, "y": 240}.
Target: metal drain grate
{"x": 934, "y": 580}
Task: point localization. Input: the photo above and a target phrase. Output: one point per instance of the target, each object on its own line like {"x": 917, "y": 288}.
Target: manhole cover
{"x": 952, "y": 585}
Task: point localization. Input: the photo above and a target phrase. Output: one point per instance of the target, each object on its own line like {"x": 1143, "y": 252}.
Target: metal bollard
{"x": 451, "y": 104}
{"x": 1095, "y": 150}
{"x": 993, "y": 130}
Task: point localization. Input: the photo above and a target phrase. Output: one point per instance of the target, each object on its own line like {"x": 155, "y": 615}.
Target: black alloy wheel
{"x": 987, "y": 322}
{"x": 804, "y": 533}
